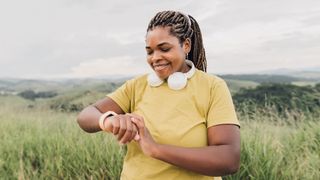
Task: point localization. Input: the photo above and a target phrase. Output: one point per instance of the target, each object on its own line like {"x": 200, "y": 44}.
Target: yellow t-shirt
{"x": 179, "y": 118}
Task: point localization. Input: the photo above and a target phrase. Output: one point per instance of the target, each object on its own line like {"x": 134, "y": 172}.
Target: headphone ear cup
{"x": 154, "y": 80}
{"x": 177, "y": 81}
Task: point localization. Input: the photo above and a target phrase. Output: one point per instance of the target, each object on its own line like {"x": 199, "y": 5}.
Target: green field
{"x": 42, "y": 143}
{"x": 38, "y": 143}
{"x": 40, "y": 138}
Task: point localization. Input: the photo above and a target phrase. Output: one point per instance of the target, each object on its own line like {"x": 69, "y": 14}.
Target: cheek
{"x": 148, "y": 59}
{"x": 178, "y": 59}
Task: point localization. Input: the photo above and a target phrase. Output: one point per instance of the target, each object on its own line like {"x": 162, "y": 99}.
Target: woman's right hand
{"x": 122, "y": 128}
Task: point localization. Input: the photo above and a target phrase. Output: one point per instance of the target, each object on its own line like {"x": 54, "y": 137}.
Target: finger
{"x": 135, "y": 116}
{"x": 128, "y": 133}
{"x": 137, "y": 137}
{"x": 116, "y": 125}
{"x": 139, "y": 124}
{"x": 138, "y": 117}
{"x": 134, "y": 131}
{"x": 123, "y": 127}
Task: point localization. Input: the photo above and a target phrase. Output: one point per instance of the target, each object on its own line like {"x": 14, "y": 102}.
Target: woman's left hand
{"x": 146, "y": 142}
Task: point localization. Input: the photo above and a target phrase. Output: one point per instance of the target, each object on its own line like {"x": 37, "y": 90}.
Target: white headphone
{"x": 176, "y": 81}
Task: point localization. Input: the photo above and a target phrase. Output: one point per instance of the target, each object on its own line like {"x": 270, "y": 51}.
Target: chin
{"x": 162, "y": 76}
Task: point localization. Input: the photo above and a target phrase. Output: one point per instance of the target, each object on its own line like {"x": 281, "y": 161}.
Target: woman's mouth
{"x": 160, "y": 67}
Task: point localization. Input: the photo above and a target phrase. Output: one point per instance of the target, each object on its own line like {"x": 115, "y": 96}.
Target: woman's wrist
{"x": 108, "y": 124}
{"x": 103, "y": 118}
{"x": 156, "y": 151}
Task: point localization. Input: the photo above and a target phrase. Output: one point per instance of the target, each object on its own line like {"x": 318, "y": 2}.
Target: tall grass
{"x": 279, "y": 152}
{"x": 39, "y": 143}
{"x": 278, "y": 146}
{"x": 42, "y": 144}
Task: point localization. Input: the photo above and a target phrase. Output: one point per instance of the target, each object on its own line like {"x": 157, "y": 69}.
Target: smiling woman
{"x": 166, "y": 54}
{"x": 178, "y": 122}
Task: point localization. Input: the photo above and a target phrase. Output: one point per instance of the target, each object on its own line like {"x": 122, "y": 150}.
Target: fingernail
{"x": 137, "y": 137}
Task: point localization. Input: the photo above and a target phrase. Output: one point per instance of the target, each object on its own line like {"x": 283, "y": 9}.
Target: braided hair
{"x": 183, "y": 26}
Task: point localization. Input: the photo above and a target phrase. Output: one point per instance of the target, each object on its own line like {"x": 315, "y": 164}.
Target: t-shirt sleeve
{"x": 123, "y": 96}
{"x": 221, "y": 108}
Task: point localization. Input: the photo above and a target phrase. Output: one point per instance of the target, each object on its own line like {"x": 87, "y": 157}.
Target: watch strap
{"x": 103, "y": 117}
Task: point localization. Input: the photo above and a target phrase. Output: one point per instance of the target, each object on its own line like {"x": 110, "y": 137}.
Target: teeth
{"x": 161, "y": 64}
{"x": 160, "y": 67}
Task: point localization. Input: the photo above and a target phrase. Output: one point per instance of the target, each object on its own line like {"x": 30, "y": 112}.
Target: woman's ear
{"x": 187, "y": 45}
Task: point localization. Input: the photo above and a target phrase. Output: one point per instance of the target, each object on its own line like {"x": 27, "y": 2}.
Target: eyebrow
{"x": 161, "y": 44}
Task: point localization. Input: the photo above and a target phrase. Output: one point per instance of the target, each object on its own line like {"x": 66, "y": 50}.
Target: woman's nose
{"x": 156, "y": 56}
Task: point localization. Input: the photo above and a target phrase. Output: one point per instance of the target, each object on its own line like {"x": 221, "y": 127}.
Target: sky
{"x": 104, "y": 38}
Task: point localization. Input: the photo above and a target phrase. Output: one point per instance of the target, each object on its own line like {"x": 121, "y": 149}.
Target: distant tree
{"x": 28, "y": 94}
{"x": 31, "y": 95}
{"x": 283, "y": 97}
{"x": 46, "y": 94}
{"x": 317, "y": 86}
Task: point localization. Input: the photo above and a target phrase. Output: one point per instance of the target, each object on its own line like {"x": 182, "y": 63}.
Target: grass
{"x": 39, "y": 143}
{"x": 279, "y": 152}
{"x": 42, "y": 144}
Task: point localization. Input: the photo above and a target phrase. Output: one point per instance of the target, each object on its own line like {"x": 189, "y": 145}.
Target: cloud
{"x": 126, "y": 38}
{"x": 78, "y": 37}
{"x": 287, "y": 41}
{"x": 122, "y": 65}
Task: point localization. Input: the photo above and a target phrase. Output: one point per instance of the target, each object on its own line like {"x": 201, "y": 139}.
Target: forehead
{"x": 160, "y": 35}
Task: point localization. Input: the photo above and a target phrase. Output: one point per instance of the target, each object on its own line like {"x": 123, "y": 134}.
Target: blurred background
{"x": 97, "y": 38}
{"x": 57, "y": 57}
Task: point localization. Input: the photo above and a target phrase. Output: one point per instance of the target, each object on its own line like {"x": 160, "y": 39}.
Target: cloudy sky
{"x": 90, "y": 38}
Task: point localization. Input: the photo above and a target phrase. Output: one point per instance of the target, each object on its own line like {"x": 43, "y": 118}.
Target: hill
{"x": 262, "y": 78}
{"x": 236, "y": 85}
{"x": 60, "y": 86}
{"x": 311, "y": 73}
{"x": 281, "y": 97}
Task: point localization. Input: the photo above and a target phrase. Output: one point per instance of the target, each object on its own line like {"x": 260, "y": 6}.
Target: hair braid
{"x": 180, "y": 27}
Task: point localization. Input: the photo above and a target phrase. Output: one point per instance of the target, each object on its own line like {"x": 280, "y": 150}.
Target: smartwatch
{"x": 103, "y": 117}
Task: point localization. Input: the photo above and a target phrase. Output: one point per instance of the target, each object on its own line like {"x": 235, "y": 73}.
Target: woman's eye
{"x": 165, "y": 49}
{"x": 149, "y": 52}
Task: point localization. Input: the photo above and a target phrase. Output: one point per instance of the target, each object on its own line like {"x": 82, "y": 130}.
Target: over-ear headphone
{"x": 176, "y": 81}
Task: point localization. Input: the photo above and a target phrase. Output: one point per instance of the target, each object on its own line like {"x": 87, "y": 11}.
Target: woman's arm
{"x": 120, "y": 125}
{"x": 88, "y": 119}
{"x": 220, "y": 157}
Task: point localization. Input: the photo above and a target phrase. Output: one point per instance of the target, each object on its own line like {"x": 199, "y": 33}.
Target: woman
{"x": 178, "y": 122}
